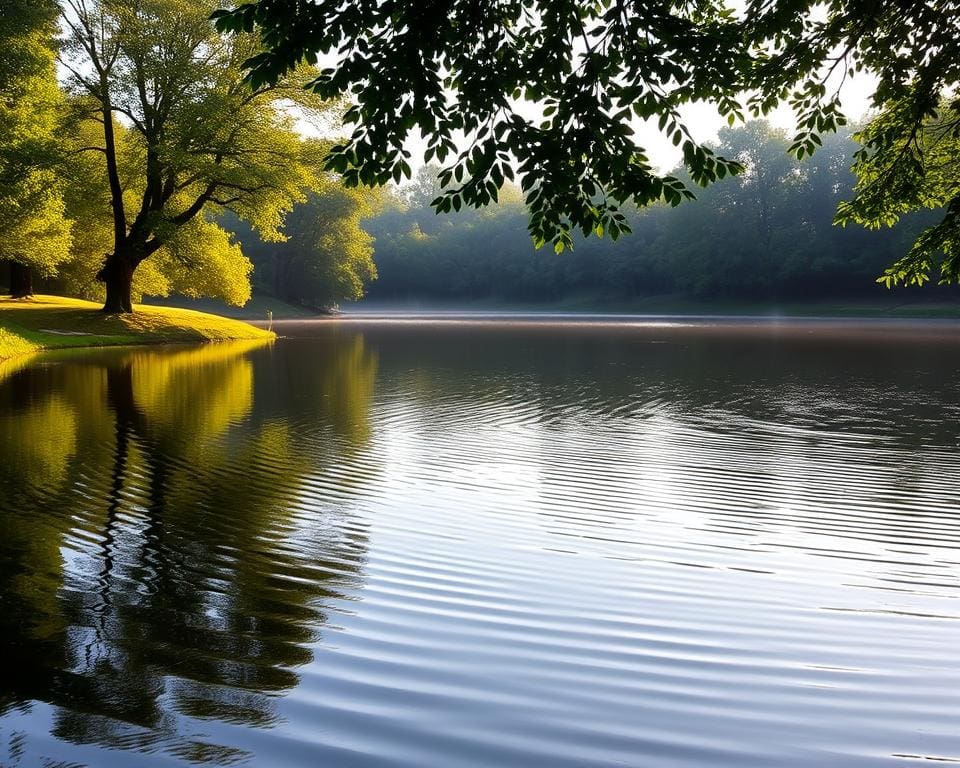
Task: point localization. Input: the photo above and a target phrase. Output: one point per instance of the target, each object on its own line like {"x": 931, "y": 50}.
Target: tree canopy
{"x": 326, "y": 256}
{"x": 182, "y": 137}
{"x": 555, "y": 89}
{"x": 33, "y": 230}
{"x": 128, "y": 135}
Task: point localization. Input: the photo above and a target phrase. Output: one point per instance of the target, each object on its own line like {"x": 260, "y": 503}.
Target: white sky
{"x": 704, "y": 122}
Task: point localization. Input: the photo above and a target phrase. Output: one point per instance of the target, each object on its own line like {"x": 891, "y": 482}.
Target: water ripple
{"x": 470, "y": 545}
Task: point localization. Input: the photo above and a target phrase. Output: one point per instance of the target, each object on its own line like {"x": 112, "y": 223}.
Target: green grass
{"x": 54, "y": 322}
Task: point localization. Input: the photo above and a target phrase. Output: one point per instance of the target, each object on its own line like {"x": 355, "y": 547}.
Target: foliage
{"x": 561, "y": 85}
{"x": 86, "y": 195}
{"x": 33, "y": 230}
{"x": 326, "y": 256}
{"x": 198, "y": 259}
{"x": 909, "y": 153}
{"x": 765, "y": 234}
{"x": 918, "y": 169}
{"x": 183, "y": 138}
{"x": 587, "y": 69}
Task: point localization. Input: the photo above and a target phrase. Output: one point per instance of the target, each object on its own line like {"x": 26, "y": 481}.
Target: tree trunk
{"x": 117, "y": 276}
{"x": 21, "y": 280}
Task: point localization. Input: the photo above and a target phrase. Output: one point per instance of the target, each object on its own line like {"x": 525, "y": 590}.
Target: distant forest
{"x": 767, "y": 234}
{"x": 764, "y": 236}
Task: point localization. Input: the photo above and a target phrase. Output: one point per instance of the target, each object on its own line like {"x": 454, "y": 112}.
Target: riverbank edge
{"x": 41, "y": 323}
{"x": 905, "y": 307}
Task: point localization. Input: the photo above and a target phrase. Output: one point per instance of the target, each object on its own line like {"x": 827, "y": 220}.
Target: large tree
{"x": 557, "y": 86}
{"x": 33, "y": 231}
{"x": 199, "y": 259}
{"x": 199, "y": 140}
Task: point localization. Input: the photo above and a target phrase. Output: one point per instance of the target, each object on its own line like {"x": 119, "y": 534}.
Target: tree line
{"x": 765, "y": 234}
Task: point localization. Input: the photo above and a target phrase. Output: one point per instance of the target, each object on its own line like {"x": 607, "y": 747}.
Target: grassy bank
{"x": 54, "y": 322}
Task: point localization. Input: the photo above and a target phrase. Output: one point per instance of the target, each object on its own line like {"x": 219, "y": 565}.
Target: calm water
{"x": 486, "y": 544}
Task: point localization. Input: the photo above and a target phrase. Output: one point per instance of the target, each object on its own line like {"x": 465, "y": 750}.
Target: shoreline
{"x": 652, "y": 328}
{"x": 44, "y": 323}
{"x": 668, "y": 307}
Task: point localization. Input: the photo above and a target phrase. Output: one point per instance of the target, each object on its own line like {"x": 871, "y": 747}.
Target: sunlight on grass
{"x": 54, "y": 322}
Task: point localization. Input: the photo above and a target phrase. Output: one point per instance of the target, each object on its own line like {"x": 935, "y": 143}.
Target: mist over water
{"x": 473, "y": 542}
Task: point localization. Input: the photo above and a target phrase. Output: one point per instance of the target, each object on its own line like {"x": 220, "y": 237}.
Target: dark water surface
{"x": 479, "y": 543}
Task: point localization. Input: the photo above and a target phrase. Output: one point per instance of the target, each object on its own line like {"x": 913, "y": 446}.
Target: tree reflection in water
{"x": 155, "y": 567}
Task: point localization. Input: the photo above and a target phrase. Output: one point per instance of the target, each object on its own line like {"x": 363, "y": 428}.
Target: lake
{"x": 486, "y": 541}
